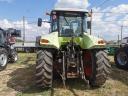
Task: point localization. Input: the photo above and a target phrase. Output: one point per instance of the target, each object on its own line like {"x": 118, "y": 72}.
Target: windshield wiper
{"x": 66, "y": 21}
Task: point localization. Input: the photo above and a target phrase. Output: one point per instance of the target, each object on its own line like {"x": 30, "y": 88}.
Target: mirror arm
{"x": 46, "y": 21}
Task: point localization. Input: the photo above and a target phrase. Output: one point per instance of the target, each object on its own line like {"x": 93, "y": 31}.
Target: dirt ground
{"x": 18, "y": 80}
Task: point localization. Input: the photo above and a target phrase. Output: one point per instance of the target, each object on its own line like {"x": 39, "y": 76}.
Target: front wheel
{"x": 3, "y": 59}
{"x": 13, "y": 56}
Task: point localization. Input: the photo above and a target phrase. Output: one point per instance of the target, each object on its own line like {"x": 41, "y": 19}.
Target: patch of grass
{"x": 19, "y": 80}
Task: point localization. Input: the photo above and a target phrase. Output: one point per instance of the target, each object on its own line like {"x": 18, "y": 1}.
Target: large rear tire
{"x": 3, "y": 59}
{"x": 100, "y": 69}
{"x": 44, "y": 69}
{"x": 121, "y": 58}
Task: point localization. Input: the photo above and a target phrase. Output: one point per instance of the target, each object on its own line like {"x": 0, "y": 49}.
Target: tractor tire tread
{"x": 44, "y": 69}
{"x": 102, "y": 69}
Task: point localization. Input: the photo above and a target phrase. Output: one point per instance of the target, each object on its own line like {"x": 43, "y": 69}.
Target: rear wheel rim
{"x": 3, "y": 59}
{"x": 122, "y": 58}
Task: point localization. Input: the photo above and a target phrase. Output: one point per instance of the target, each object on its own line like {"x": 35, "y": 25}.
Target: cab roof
{"x": 70, "y": 9}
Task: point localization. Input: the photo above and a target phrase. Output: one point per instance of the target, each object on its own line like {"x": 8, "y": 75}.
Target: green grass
{"x": 19, "y": 80}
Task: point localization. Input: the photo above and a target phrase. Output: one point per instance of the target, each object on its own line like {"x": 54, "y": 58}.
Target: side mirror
{"x": 39, "y": 22}
{"x": 89, "y": 24}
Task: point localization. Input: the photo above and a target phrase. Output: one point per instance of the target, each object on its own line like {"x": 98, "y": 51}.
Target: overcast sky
{"x": 108, "y": 16}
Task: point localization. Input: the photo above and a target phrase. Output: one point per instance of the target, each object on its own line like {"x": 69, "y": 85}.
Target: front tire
{"x": 100, "y": 69}
{"x": 13, "y": 56}
{"x": 3, "y": 59}
{"x": 44, "y": 69}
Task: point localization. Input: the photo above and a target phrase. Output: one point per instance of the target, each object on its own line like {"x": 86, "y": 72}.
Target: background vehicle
{"x": 121, "y": 55}
{"x": 7, "y": 51}
{"x": 68, "y": 50}
{"x": 28, "y": 47}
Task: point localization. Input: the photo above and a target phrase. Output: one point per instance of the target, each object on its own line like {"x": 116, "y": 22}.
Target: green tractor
{"x": 69, "y": 51}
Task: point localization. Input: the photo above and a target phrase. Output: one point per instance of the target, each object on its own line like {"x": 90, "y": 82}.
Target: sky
{"x": 108, "y": 15}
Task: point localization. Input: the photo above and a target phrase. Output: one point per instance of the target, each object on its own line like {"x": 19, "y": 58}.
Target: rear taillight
{"x": 101, "y": 42}
{"x": 44, "y": 41}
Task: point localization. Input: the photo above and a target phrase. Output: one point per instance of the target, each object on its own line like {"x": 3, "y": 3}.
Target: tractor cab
{"x": 1, "y": 36}
{"x": 68, "y": 22}
{"x": 9, "y": 36}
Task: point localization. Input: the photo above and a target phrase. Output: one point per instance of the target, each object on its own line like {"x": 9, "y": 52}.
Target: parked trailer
{"x": 25, "y": 47}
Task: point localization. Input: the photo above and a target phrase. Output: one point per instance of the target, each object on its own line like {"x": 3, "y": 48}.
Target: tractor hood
{"x": 86, "y": 41}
